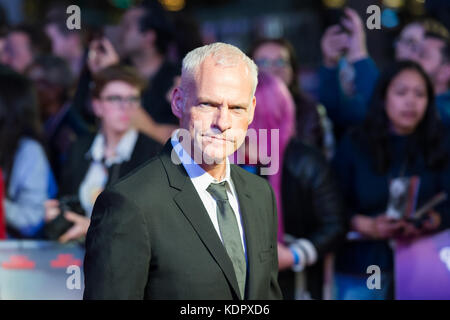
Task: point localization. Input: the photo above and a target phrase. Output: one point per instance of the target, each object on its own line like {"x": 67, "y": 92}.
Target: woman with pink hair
{"x": 275, "y": 112}
{"x": 309, "y": 206}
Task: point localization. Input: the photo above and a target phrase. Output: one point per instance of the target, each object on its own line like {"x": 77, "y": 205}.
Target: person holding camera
{"x": 401, "y": 139}
{"x": 349, "y": 74}
{"x": 97, "y": 161}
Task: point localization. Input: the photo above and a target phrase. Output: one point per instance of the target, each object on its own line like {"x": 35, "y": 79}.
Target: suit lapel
{"x": 250, "y": 226}
{"x": 189, "y": 202}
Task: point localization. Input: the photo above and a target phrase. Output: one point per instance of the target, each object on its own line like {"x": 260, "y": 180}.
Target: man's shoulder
{"x": 149, "y": 175}
{"x": 254, "y": 182}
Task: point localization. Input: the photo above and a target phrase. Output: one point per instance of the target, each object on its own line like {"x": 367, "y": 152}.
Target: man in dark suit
{"x": 188, "y": 224}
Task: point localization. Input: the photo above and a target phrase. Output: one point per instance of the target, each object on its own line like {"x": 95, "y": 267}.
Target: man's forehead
{"x": 413, "y": 30}
{"x": 212, "y": 67}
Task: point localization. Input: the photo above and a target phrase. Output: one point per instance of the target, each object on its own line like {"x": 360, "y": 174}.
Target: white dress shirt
{"x": 202, "y": 179}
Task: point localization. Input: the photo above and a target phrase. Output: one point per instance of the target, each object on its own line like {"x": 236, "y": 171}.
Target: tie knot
{"x": 218, "y": 190}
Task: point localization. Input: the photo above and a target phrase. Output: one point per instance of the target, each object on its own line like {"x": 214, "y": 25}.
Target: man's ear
{"x": 252, "y": 110}
{"x": 177, "y": 102}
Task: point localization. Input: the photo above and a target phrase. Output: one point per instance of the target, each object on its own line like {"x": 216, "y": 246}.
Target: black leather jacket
{"x": 312, "y": 209}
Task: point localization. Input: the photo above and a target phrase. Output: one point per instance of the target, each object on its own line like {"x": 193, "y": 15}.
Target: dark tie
{"x": 230, "y": 232}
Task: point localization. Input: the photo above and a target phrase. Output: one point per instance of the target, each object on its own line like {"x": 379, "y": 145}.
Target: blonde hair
{"x": 223, "y": 54}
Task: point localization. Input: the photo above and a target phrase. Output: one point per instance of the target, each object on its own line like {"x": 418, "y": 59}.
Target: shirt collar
{"x": 198, "y": 176}
{"x": 124, "y": 148}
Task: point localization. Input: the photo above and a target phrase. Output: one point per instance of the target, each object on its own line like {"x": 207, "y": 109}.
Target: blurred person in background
{"x": 275, "y": 110}
{"x": 22, "y": 157}
{"x": 66, "y": 44}
{"x": 348, "y": 74}
{"x": 434, "y": 57}
{"x": 401, "y": 137}
{"x": 2, "y": 212}
{"x": 277, "y": 57}
{"x": 310, "y": 210}
{"x": 3, "y": 34}
{"x": 98, "y": 160}
{"x": 145, "y": 35}
{"x": 23, "y": 44}
{"x": 187, "y": 36}
{"x": 62, "y": 124}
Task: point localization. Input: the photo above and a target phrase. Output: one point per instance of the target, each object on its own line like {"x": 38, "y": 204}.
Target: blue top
{"x": 28, "y": 188}
{"x": 443, "y": 105}
{"x": 345, "y": 110}
{"x": 366, "y": 192}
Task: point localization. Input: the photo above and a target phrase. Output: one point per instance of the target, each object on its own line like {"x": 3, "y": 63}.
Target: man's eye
{"x": 114, "y": 98}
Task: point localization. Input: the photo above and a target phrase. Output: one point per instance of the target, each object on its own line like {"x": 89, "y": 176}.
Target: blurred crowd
{"x": 77, "y": 113}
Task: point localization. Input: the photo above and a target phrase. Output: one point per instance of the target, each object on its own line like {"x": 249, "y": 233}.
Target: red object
{"x": 18, "y": 262}
{"x": 2, "y": 212}
{"x": 65, "y": 260}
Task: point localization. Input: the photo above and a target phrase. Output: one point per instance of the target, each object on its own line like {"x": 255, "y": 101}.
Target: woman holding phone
{"x": 402, "y": 139}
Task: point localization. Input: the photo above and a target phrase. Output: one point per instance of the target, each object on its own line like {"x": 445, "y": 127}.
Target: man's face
{"x": 216, "y": 109}
{"x": 409, "y": 43}
{"x": 274, "y": 59}
{"x": 431, "y": 57}
{"x": 131, "y": 36}
{"x": 117, "y": 106}
{"x": 17, "y": 53}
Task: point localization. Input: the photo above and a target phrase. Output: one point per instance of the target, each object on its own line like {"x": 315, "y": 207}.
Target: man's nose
{"x": 223, "y": 118}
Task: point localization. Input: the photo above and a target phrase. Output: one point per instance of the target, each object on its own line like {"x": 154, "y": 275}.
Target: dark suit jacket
{"x": 151, "y": 238}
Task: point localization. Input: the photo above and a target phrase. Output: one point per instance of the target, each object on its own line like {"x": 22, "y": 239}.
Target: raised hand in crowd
{"x": 357, "y": 48}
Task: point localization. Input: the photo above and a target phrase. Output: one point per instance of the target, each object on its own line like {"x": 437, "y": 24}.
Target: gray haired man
{"x": 188, "y": 224}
